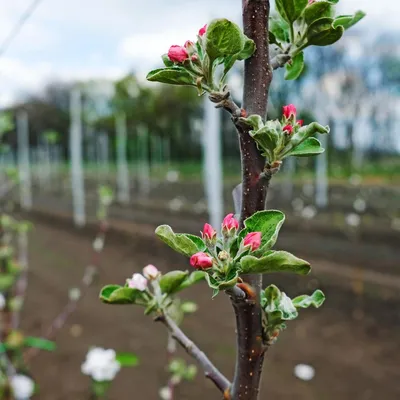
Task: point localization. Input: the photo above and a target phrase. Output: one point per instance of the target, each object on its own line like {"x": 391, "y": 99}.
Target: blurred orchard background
{"x": 72, "y": 77}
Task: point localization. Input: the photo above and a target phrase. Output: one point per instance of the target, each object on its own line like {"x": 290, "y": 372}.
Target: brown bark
{"x": 257, "y": 80}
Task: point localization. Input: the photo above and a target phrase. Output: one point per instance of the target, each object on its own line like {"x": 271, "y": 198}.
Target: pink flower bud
{"x": 201, "y": 261}
{"x": 177, "y": 54}
{"x": 289, "y": 111}
{"x": 253, "y": 240}
{"x": 203, "y": 30}
{"x": 230, "y": 223}
{"x": 209, "y": 233}
{"x": 151, "y": 272}
{"x": 138, "y": 282}
{"x": 288, "y": 129}
{"x": 300, "y": 122}
{"x": 311, "y": 1}
{"x": 190, "y": 47}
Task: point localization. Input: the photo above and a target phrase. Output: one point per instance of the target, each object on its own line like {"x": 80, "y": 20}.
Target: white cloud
{"x": 103, "y": 38}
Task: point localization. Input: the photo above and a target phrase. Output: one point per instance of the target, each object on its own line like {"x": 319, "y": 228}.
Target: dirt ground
{"x": 352, "y": 341}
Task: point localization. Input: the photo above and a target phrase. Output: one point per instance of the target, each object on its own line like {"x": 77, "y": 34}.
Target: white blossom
{"x": 297, "y": 204}
{"x": 173, "y": 176}
{"x": 2, "y": 301}
{"x": 151, "y": 272}
{"x": 176, "y": 204}
{"x": 101, "y": 364}
{"x": 353, "y": 219}
{"x": 165, "y": 393}
{"x": 22, "y": 387}
{"x": 360, "y": 205}
{"x": 138, "y": 282}
{"x": 309, "y": 212}
{"x": 98, "y": 244}
{"x": 304, "y": 372}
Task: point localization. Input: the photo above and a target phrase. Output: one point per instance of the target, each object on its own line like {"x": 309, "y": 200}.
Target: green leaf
{"x": 333, "y": 1}
{"x": 317, "y": 10}
{"x": 189, "y": 307}
{"x": 190, "y": 372}
{"x": 347, "y": 21}
{"x": 6, "y": 123}
{"x": 267, "y": 138}
{"x": 274, "y": 261}
{"x": 6, "y": 281}
{"x": 212, "y": 282}
{"x": 198, "y": 241}
{"x": 127, "y": 359}
{"x": 173, "y": 76}
{"x": 248, "y": 50}
{"x": 39, "y": 343}
{"x": 295, "y": 68}
{"x": 301, "y": 135}
{"x": 279, "y": 29}
{"x": 171, "y": 281}
{"x": 290, "y": 10}
{"x": 305, "y": 301}
{"x": 230, "y": 281}
{"x": 322, "y": 32}
{"x": 267, "y": 222}
{"x": 114, "y": 294}
{"x": 192, "y": 279}
{"x": 167, "y": 62}
{"x": 310, "y": 147}
{"x": 180, "y": 242}
{"x": 223, "y": 38}
{"x": 254, "y": 120}
{"x": 279, "y": 304}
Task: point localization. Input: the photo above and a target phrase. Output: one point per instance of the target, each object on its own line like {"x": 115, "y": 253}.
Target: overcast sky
{"x": 67, "y": 39}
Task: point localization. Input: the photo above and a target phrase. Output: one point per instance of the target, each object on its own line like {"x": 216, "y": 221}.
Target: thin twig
{"x": 210, "y": 371}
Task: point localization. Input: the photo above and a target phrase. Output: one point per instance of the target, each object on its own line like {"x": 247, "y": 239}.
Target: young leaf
{"x": 301, "y": 135}
{"x": 171, "y": 281}
{"x": 173, "y": 76}
{"x": 180, "y": 242}
{"x": 248, "y": 50}
{"x": 167, "y": 62}
{"x": 6, "y": 281}
{"x": 279, "y": 304}
{"x": 279, "y": 29}
{"x": 267, "y": 222}
{"x": 295, "y": 68}
{"x": 347, "y": 21}
{"x": 127, "y": 359}
{"x": 290, "y": 10}
{"x": 267, "y": 137}
{"x": 113, "y": 294}
{"x": 198, "y": 241}
{"x": 223, "y": 38}
{"x": 189, "y": 307}
{"x": 39, "y": 343}
{"x": 310, "y": 147}
{"x": 322, "y": 32}
{"x": 304, "y": 301}
{"x": 274, "y": 261}
{"x": 317, "y": 10}
{"x": 193, "y": 278}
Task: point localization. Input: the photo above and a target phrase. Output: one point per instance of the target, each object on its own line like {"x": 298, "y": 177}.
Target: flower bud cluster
{"x": 289, "y": 122}
{"x": 224, "y": 251}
